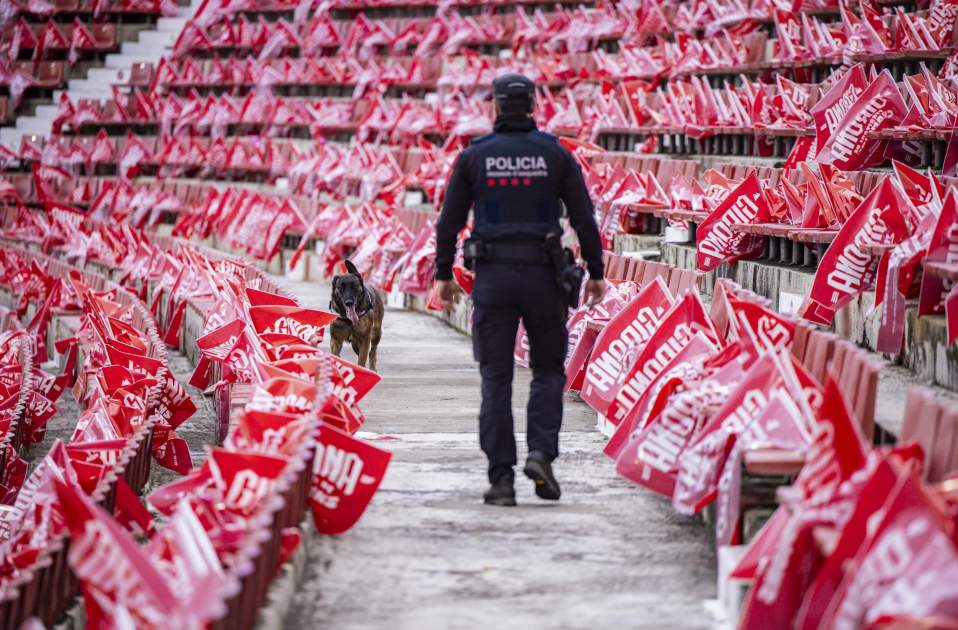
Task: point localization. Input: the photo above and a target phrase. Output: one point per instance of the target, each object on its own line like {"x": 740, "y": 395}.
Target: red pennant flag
{"x": 80, "y": 39}
{"x": 304, "y": 323}
{"x": 717, "y": 241}
{"x": 620, "y": 342}
{"x": 943, "y": 248}
{"x": 847, "y": 268}
{"x": 849, "y": 147}
{"x": 685, "y": 318}
{"x": 831, "y": 108}
{"x": 346, "y": 473}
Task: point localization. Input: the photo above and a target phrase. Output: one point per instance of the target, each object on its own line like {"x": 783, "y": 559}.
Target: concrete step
{"x": 99, "y": 75}
{"x": 171, "y": 24}
{"x": 85, "y": 89}
{"x": 30, "y": 124}
{"x": 47, "y": 111}
{"x": 10, "y": 137}
{"x": 156, "y": 39}
{"x": 125, "y": 60}
{"x": 139, "y": 51}
{"x": 84, "y": 92}
{"x": 120, "y": 61}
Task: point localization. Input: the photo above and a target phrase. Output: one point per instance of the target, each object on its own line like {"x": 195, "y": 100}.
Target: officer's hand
{"x": 447, "y": 293}
{"x": 594, "y": 290}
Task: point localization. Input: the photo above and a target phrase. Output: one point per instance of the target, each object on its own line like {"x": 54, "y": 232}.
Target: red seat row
{"x": 51, "y": 40}
{"x": 44, "y": 74}
{"x": 95, "y": 8}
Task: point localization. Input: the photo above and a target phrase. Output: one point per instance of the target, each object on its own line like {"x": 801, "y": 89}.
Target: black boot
{"x": 501, "y": 492}
{"x": 539, "y": 469}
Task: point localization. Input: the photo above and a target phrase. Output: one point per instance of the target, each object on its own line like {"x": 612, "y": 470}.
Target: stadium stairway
{"x": 151, "y": 45}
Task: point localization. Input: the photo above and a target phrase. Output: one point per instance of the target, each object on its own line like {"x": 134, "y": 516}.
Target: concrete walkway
{"x": 427, "y": 554}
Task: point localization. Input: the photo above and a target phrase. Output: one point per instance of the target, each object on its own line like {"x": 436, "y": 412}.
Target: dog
{"x": 360, "y": 310}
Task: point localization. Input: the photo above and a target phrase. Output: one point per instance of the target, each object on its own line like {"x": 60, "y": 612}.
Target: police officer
{"x": 513, "y": 179}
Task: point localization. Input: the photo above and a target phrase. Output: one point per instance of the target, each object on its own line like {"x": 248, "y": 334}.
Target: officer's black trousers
{"x": 503, "y": 293}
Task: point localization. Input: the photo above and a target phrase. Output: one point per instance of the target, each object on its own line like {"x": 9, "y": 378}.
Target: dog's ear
{"x": 351, "y": 268}
{"x": 334, "y": 294}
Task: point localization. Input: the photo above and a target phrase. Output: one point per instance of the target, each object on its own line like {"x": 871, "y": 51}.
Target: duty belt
{"x": 517, "y": 252}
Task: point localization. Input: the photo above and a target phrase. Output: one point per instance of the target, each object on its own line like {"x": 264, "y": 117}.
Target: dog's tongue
{"x": 351, "y": 313}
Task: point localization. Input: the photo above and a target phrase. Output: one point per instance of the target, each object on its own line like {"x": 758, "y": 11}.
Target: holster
{"x": 473, "y": 249}
{"x": 568, "y": 275}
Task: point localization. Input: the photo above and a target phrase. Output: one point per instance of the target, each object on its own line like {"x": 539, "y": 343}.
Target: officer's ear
{"x": 351, "y": 268}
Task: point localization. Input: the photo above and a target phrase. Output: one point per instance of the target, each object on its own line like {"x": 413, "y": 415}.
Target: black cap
{"x": 513, "y": 86}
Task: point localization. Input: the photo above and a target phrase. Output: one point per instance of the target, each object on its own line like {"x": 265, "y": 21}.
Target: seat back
{"x": 943, "y": 458}
{"x": 800, "y": 340}
{"x": 856, "y": 374}
{"x": 50, "y": 73}
{"x": 933, "y": 424}
{"x": 819, "y": 353}
{"x": 141, "y": 74}
{"x": 104, "y": 34}
{"x": 920, "y": 424}
{"x": 868, "y": 395}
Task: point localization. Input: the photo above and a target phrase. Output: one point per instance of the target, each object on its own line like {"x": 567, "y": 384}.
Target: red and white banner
{"x": 878, "y": 107}
{"x": 848, "y": 268}
{"x": 678, "y": 325}
{"x": 346, "y": 473}
{"x": 717, "y": 241}
{"x": 619, "y": 343}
